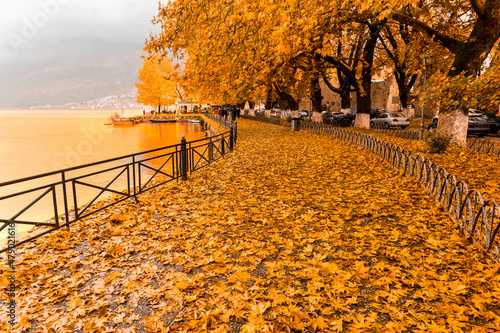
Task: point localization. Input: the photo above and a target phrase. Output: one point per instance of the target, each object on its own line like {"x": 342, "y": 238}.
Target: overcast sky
{"x": 28, "y": 25}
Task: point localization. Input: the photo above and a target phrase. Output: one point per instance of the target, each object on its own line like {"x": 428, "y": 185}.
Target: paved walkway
{"x": 292, "y": 232}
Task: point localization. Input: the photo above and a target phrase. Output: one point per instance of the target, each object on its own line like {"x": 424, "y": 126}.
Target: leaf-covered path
{"x": 292, "y": 232}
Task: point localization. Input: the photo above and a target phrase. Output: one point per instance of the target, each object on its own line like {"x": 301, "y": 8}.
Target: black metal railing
{"x": 483, "y": 146}
{"x": 66, "y": 191}
{"x": 477, "y": 144}
{"x": 478, "y": 219}
{"x": 223, "y": 121}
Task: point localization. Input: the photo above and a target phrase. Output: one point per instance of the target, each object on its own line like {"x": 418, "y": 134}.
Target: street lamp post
{"x": 421, "y": 133}
{"x": 478, "y": 73}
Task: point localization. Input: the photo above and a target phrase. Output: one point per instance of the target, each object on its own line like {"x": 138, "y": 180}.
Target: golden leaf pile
{"x": 292, "y": 232}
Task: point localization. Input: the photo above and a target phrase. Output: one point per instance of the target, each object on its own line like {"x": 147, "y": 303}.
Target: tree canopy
{"x": 158, "y": 82}
{"x": 249, "y": 50}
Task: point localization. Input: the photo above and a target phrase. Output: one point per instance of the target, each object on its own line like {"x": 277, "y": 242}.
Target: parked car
{"x": 275, "y": 113}
{"x": 338, "y": 115}
{"x": 477, "y": 126}
{"x": 349, "y": 118}
{"x": 327, "y": 117}
{"x": 333, "y": 118}
{"x": 493, "y": 123}
{"x": 305, "y": 115}
{"x": 474, "y": 112}
{"x": 259, "y": 112}
{"x": 375, "y": 112}
{"x": 390, "y": 119}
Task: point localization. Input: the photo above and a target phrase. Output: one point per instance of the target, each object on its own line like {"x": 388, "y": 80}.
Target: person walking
{"x": 233, "y": 115}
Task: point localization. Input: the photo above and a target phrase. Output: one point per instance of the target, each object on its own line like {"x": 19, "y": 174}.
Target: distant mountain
{"x": 79, "y": 70}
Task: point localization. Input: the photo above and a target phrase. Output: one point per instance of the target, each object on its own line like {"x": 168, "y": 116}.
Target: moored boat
{"x": 158, "y": 121}
{"x": 194, "y": 121}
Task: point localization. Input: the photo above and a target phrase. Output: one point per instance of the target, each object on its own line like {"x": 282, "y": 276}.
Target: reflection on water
{"x": 33, "y": 142}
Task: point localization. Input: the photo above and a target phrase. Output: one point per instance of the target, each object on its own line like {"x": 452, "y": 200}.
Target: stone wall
{"x": 380, "y": 94}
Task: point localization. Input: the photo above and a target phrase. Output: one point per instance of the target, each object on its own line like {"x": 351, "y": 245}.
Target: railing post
{"x": 222, "y": 146}
{"x": 231, "y": 138}
{"x": 235, "y": 131}
{"x": 65, "y": 196}
{"x": 134, "y": 178}
{"x": 183, "y": 153}
{"x": 210, "y": 151}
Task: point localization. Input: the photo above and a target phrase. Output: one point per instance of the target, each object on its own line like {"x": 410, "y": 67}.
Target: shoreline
{"x": 211, "y": 128}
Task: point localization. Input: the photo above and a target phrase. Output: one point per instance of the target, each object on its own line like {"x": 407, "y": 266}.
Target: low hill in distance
{"x": 81, "y": 73}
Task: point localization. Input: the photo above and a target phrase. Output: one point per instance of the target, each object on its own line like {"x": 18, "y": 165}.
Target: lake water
{"x": 33, "y": 142}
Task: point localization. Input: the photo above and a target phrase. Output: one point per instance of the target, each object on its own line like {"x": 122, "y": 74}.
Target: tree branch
{"x": 389, "y": 53}
{"x": 329, "y": 85}
{"x": 351, "y": 77}
{"x": 448, "y": 42}
{"x": 413, "y": 79}
{"x": 476, "y": 6}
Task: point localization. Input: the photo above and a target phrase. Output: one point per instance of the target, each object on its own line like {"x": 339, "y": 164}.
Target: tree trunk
{"x": 269, "y": 100}
{"x": 408, "y": 112}
{"x": 455, "y": 124}
{"x": 287, "y": 101}
{"x": 345, "y": 98}
{"x": 344, "y": 90}
{"x": 404, "y": 87}
{"x": 364, "y": 102}
{"x": 470, "y": 56}
{"x": 316, "y": 94}
{"x": 363, "y": 93}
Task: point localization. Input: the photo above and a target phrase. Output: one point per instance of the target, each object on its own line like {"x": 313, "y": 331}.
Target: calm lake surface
{"x": 33, "y": 142}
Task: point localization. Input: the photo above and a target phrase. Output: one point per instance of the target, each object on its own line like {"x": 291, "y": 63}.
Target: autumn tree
{"x": 402, "y": 52}
{"x": 468, "y": 30}
{"x": 344, "y": 87}
{"x": 158, "y": 83}
{"x": 246, "y": 49}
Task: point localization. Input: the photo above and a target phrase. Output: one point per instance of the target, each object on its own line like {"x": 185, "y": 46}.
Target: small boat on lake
{"x": 123, "y": 121}
{"x": 194, "y": 121}
{"x": 159, "y": 121}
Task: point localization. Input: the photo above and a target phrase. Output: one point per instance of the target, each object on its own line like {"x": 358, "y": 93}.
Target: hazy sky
{"x": 27, "y": 25}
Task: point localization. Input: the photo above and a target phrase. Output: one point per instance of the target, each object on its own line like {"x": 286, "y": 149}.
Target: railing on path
{"x": 479, "y": 219}
{"x": 136, "y": 173}
{"x": 477, "y": 144}
{"x": 483, "y": 146}
{"x": 223, "y": 121}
